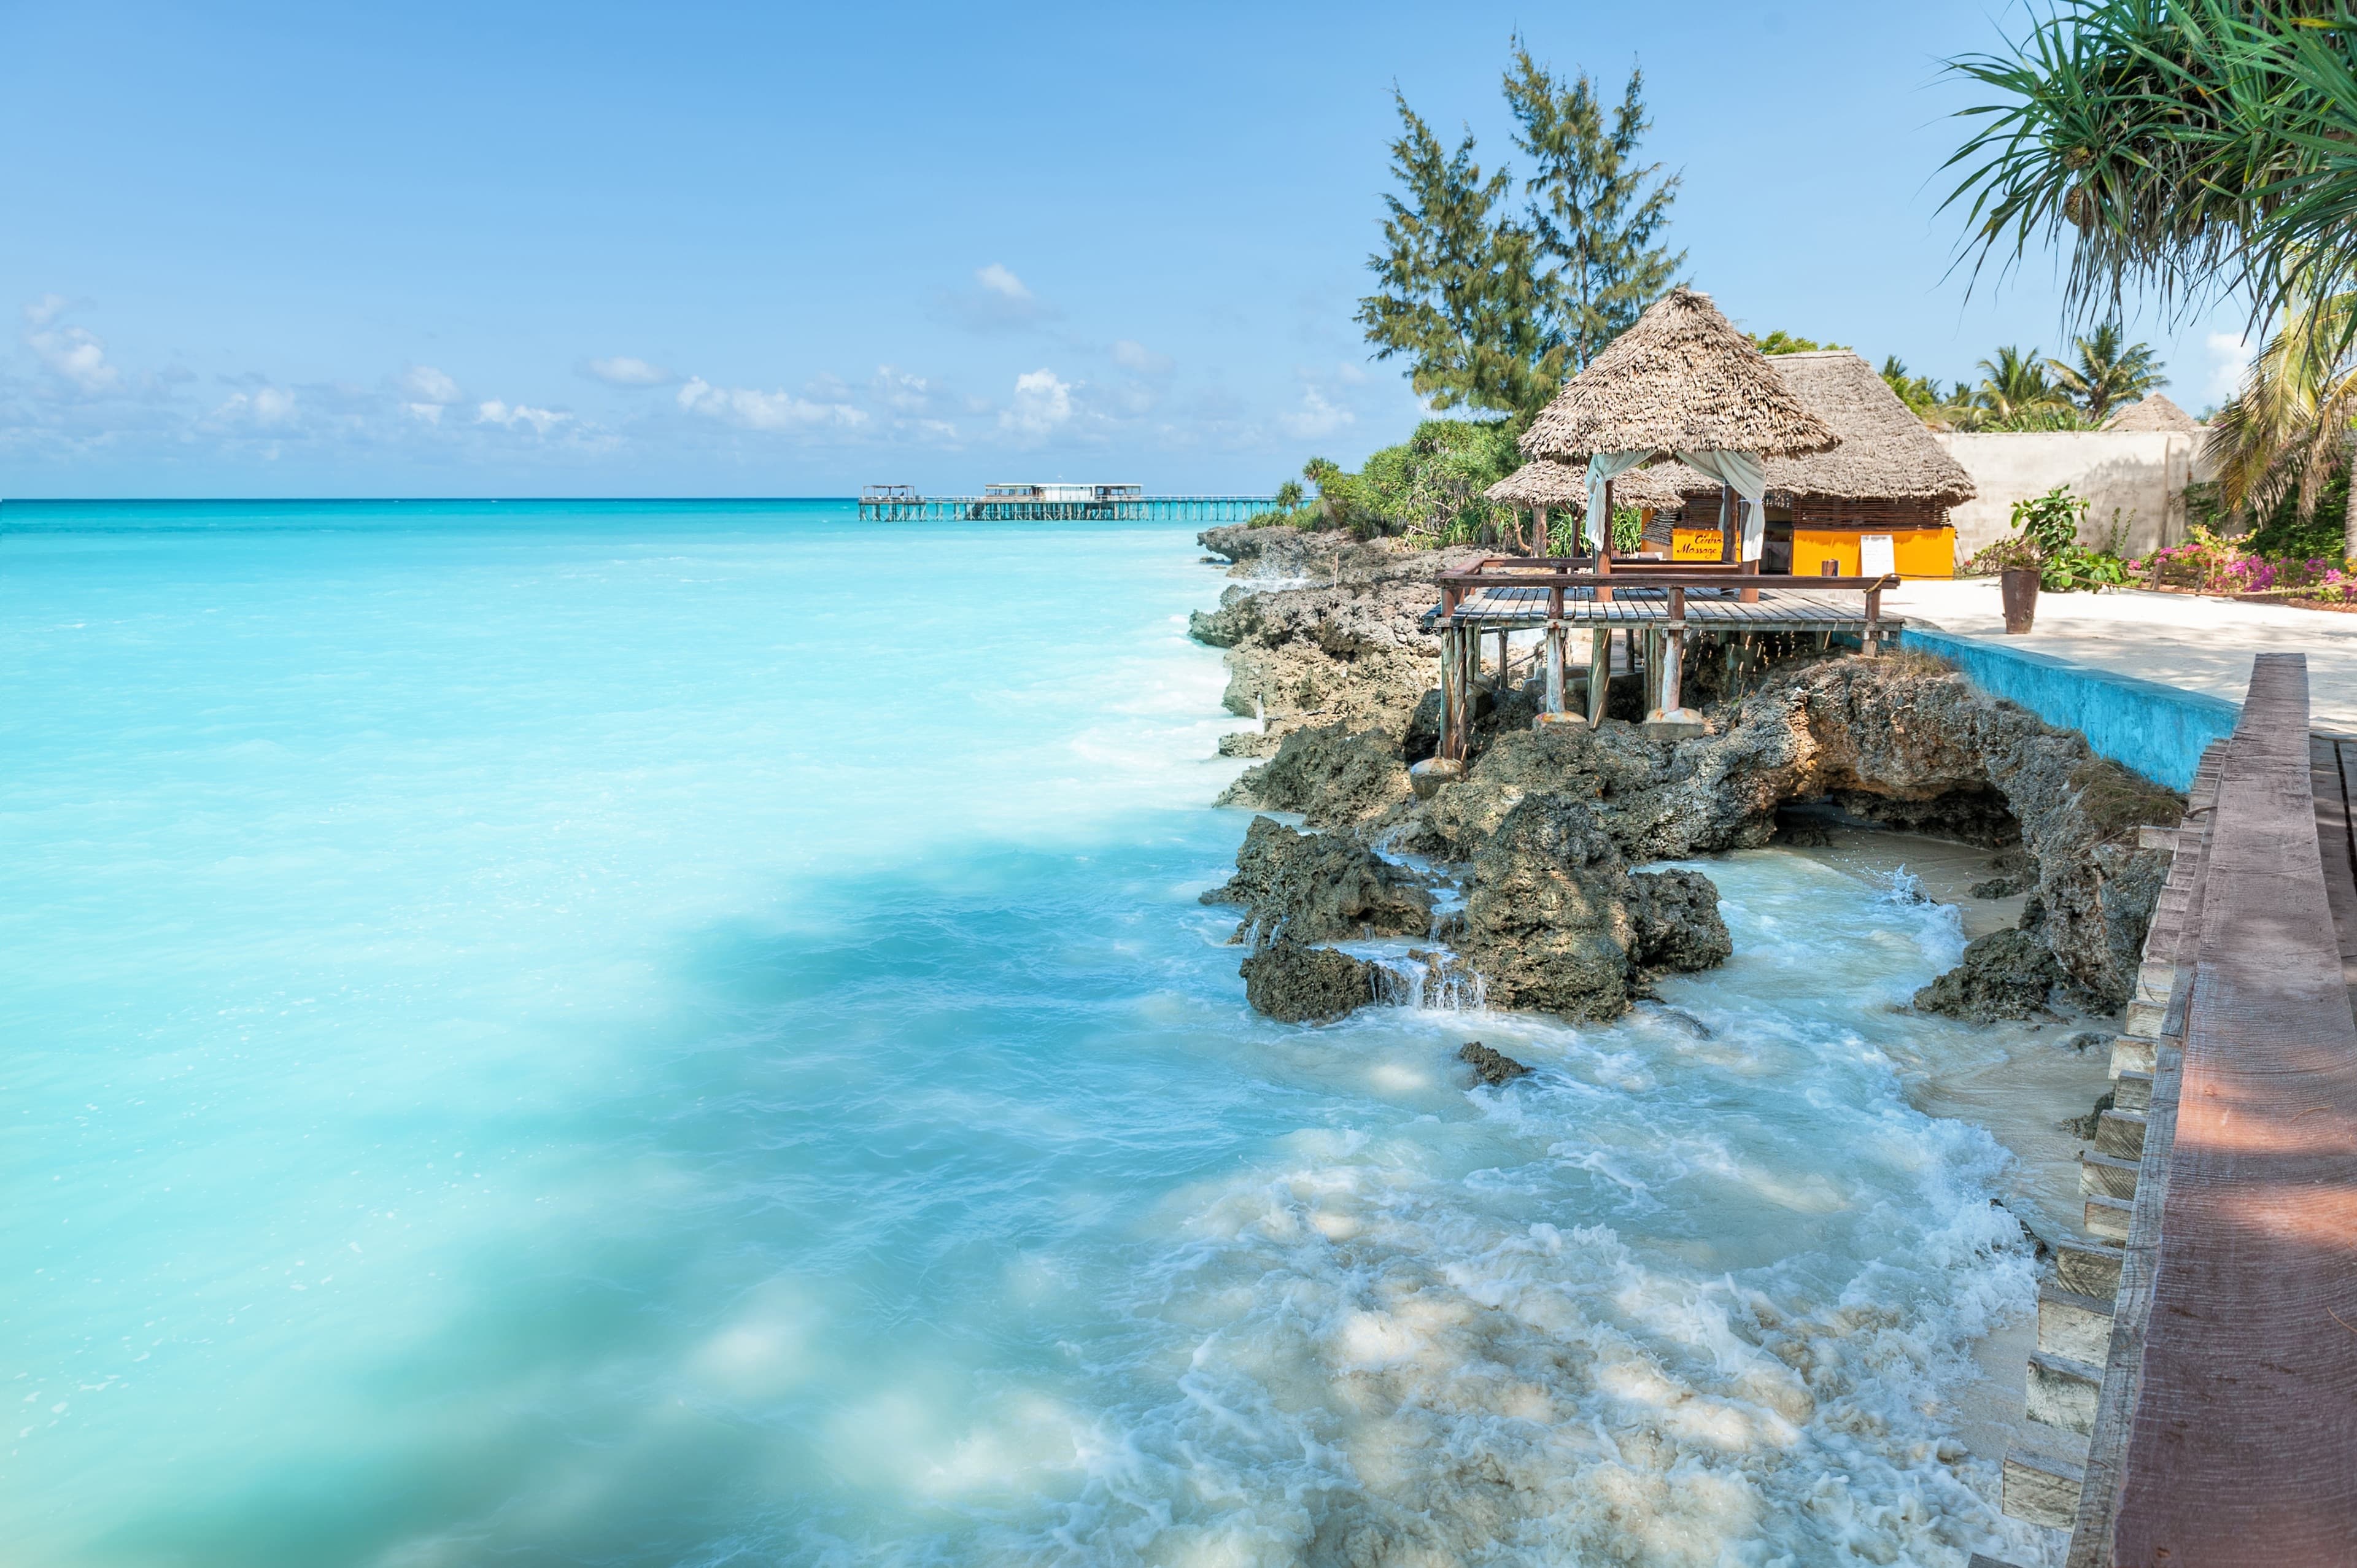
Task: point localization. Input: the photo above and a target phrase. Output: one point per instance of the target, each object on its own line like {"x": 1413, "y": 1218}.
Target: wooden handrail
{"x": 1622, "y": 577}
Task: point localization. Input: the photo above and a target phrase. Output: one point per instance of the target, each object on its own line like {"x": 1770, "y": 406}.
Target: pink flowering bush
{"x": 2210, "y": 563}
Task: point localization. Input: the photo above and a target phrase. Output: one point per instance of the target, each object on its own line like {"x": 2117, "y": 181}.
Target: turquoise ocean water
{"x": 637, "y": 1033}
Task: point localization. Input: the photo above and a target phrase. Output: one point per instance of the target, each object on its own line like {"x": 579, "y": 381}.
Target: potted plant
{"x": 2018, "y": 566}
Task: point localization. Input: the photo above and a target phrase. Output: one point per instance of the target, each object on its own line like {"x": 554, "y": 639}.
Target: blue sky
{"x": 716, "y": 250}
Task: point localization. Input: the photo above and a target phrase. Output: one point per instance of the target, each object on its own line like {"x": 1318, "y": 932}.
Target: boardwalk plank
{"x": 2243, "y": 1449}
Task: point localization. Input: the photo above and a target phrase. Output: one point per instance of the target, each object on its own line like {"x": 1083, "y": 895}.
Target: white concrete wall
{"x": 2141, "y": 474}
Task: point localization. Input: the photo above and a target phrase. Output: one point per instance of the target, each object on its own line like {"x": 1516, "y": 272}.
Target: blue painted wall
{"x": 2159, "y": 731}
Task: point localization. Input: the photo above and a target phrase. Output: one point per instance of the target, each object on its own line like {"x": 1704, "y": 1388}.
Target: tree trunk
{"x": 2349, "y": 511}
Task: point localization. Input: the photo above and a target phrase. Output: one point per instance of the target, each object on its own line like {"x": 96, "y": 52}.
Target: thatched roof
{"x": 1543, "y": 483}
{"x": 1562, "y": 487}
{"x": 1885, "y": 452}
{"x": 1682, "y": 378}
{"x": 2155, "y": 413}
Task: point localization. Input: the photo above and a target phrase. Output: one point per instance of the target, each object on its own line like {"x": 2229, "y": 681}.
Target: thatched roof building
{"x": 1562, "y": 487}
{"x": 2155, "y": 413}
{"x": 1681, "y": 379}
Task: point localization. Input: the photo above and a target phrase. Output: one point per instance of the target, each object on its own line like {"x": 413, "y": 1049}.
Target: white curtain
{"x": 1741, "y": 472}
{"x": 1602, "y": 469}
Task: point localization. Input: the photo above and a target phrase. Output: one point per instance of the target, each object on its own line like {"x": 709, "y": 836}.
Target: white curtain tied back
{"x": 1741, "y": 472}
{"x": 1603, "y": 467}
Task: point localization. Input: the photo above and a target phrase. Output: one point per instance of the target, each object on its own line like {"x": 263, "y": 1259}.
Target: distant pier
{"x": 1055, "y": 503}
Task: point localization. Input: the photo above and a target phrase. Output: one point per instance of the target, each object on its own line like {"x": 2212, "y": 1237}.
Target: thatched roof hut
{"x": 2155, "y": 413}
{"x": 1682, "y": 378}
{"x": 1885, "y": 456}
{"x": 1562, "y": 487}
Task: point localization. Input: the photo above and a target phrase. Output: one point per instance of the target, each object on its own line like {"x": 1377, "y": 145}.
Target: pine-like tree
{"x": 1457, "y": 291}
{"x": 1594, "y": 212}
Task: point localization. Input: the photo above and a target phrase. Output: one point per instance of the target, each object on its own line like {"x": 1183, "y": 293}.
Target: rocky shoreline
{"x": 1521, "y": 876}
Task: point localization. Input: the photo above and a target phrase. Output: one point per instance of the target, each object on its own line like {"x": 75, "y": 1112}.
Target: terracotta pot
{"x": 2020, "y": 587}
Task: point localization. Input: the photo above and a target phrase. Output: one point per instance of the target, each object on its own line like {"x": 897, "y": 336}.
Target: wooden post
{"x": 1672, "y": 651}
{"x": 1554, "y": 651}
{"x": 1604, "y": 544}
{"x": 1538, "y": 532}
{"x": 1449, "y": 697}
{"x": 1873, "y": 638}
{"x": 1725, "y": 522}
{"x": 1505, "y": 660}
{"x": 1599, "y": 672}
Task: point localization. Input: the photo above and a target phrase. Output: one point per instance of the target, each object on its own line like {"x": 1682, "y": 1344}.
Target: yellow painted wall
{"x": 1915, "y": 551}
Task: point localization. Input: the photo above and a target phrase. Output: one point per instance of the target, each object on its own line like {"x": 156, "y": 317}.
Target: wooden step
{"x": 2088, "y": 1270}
{"x": 2062, "y": 1392}
{"x": 2041, "y": 1489}
{"x": 2134, "y": 1053}
{"x": 2107, "y": 1218}
{"x": 2132, "y": 1091}
{"x": 2120, "y": 1132}
{"x": 2072, "y": 1324}
{"x": 2106, "y": 1175}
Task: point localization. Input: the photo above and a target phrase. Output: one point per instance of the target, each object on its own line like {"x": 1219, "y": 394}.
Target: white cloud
{"x": 43, "y": 310}
{"x": 431, "y": 412}
{"x": 1317, "y": 417}
{"x": 757, "y": 410}
{"x": 901, "y": 391}
{"x": 74, "y": 355}
{"x": 1042, "y": 402}
{"x": 429, "y": 385}
{"x": 541, "y": 420}
{"x": 999, "y": 281}
{"x": 622, "y": 370}
{"x": 2229, "y": 357}
{"x": 998, "y": 301}
{"x": 1137, "y": 357}
{"x": 262, "y": 405}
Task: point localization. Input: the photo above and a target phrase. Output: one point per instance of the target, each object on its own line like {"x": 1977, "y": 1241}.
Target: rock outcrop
{"x": 1334, "y": 777}
{"x": 1552, "y": 915}
{"x": 2005, "y": 974}
{"x": 1297, "y": 984}
{"x": 1493, "y": 1068}
{"x": 1322, "y": 888}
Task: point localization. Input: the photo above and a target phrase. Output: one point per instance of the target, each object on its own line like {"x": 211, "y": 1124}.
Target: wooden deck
{"x": 2242, "y": 1444}
{"x": 1706, "y": 609}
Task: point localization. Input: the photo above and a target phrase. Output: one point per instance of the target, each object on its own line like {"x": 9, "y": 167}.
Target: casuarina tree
{"x": 1458, "y": 294}
{"x": 1596, "y": 211}
{"x": 1494, "y": 307}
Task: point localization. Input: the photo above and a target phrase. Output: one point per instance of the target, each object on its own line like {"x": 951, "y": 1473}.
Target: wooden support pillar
{"x": 1872, "y": 641}
{"x": 1600, "y": 673}
{"x": 1505, "y": 660}
{"x": 1449, "y": 699}
{"x": 1554, "y": 651}
{"x": 1539, "y": 532}
{"x": 1603, "y": 526}
{"x": 1668, "y": 718}
{"x": 1725, "y": 522}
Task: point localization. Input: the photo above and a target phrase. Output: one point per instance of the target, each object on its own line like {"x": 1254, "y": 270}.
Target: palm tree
{"x": 2014, "y": 394}
{"x": 1288, "y": 495}
{"x": 2292, "y": 425}
{"x": 2108, "y": 375}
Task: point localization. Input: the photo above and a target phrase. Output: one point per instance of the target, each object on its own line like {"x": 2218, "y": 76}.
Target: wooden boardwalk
{"x": 2240, "y": 1403}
